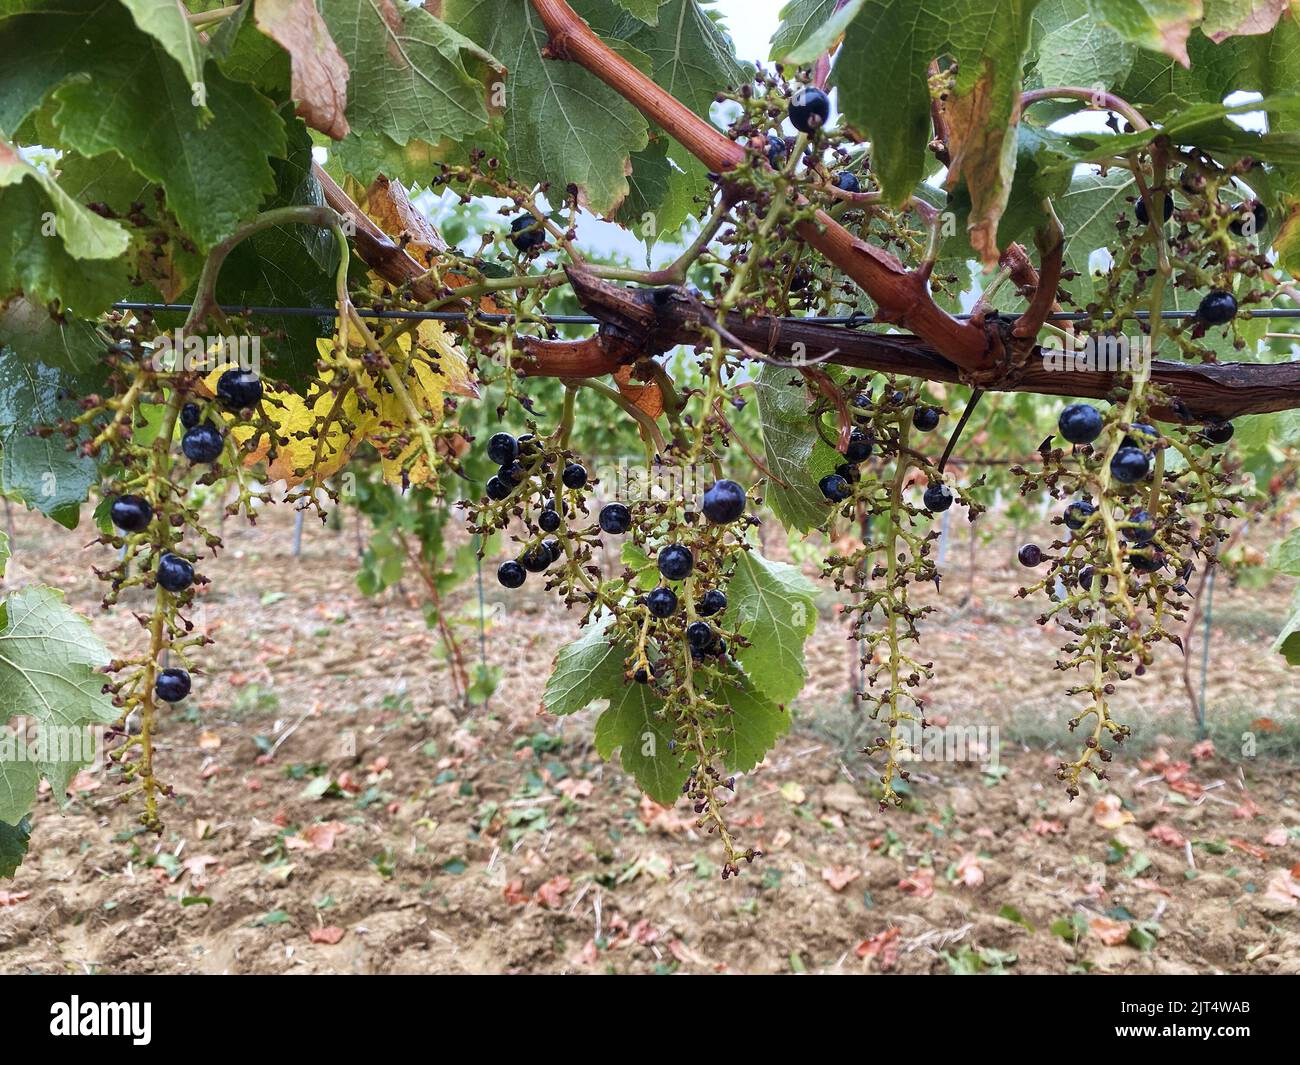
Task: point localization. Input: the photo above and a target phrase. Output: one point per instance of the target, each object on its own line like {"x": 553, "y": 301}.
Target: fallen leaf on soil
{"x": 920, "y": 884}
{"x": 328, "y": 935}
{"x": 1279, "y": 837}
{"x": 514, "y": 892}
{"x": 197, "y": 866}
{"x": 1109, "y": 931}
{"x": 1247, "y": 810}
{"x": 644, "y": 933}
{"x": 1283, "y": 887}
{"x": 1107, "y": 813}
{"x": 1150, "y": 885}
{"x": 575, "y": 789}
{"x": 13, "y": 898}
{"x": 969, "y": 871}
{"x": 883, "y": 946}
{"x": 1203, "y": 751}
{"x": 318, "y": 837}
{"x": 209, "y": 741}
{"x": 549, "y": 894}
{"x": 1167, "y": 835}
{"x": 1048, "y": 828}
{"x": 1249, "y": 848}
{"x": 840, "y": 876}
{"x": 793, "y": 792}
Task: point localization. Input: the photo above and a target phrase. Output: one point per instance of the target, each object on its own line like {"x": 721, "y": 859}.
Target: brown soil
{"x": 499, "y": 842}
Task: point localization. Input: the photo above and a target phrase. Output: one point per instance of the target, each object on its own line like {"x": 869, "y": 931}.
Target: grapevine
{"x": 840, "y": 281}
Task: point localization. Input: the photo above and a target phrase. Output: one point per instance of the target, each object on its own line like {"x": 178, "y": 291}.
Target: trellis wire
{"x": 587, "y": 319}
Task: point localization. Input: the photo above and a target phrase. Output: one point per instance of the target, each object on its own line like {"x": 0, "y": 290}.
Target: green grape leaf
{"x": 642, "y": 565}
{"x": 412, "y": 75}
{"x": 751, "y": 729}
{"x": 245, "y": 53}
{"x": 215, "y": 173}
{"x": 1088, "y": 211}
{"x": 561, "y": 124}
{"x": 646, "y": 11}
{"x": 287, "y": 266}
{"x": 1287, "y": 643}
{"x": 589, "y": 668}
{"x": 810, "y": 28}
{"x": 34, "y": 335}
{"x": 1157, "y": 25}
{"x": 165, "y": 22}
{"x": 85, "y": 235}
{"x": 794, "y": 452}
{"x": 46, "y": 238}
{"x": 635, "y": 726}
{"x": 885, "y": 57}
{"x": 1286, "y": 555}
{"x": 48, "y": 675}
{"x": 689, "y": 56}
{"x": 13, "y": 845}
{"x": 774, "y": 607}
{"x": 1204, "y": 125}
{"x": 41, "y": 470}
{"x": 1076, "y": 49}
{"x": 4, "y": 552}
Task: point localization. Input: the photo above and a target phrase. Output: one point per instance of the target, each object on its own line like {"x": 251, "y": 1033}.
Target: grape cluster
{"x": 1136, "y": 526}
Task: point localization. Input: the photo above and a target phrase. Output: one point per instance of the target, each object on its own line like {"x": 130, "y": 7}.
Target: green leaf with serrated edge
{"x": 1268, "y": 64}
{"x": 635, "y": 558}
{"x": 590, "y": 668}
{"x": 800, "y": 20}
{"x": 689, "y": 56}
{"x": 1088, "y": 211}
{"x": 885, "y": 57}
{"x": 819, "y": 38}
{"x": 85, "y": 235}
{"x": 245, "y": 53}
{"x": 30, "y": 332}
{"x": 1286, "y": 555}
{"x": 42, "y": 471}
{"x": 751, "y": 729}
{"x": 48, "y": 675}
{"x": 1204, "y": 125}
{"x": 411, "y": 74}
{"x": 634, "y": 725}
{"x": 1076, "y": 49}
{"x": 13, "y": 845}
{"x": 1157, "y": 25}
{"x": 646, "y": 11}
{"x": 215, "y": 172}
{"x": 794, "y": 452}
{"x": 561, "y": 124}
{"x": 165, "y": 21}
{"x": 1287, "y": 643}
{"x": 158, "y": 271}
{"x": 773, "y": 606}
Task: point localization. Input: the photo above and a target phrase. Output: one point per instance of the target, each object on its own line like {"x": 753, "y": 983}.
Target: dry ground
{"x": 336, "y": 813}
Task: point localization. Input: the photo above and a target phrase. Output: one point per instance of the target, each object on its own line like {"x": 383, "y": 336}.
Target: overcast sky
{"x": 752, "y": 23}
